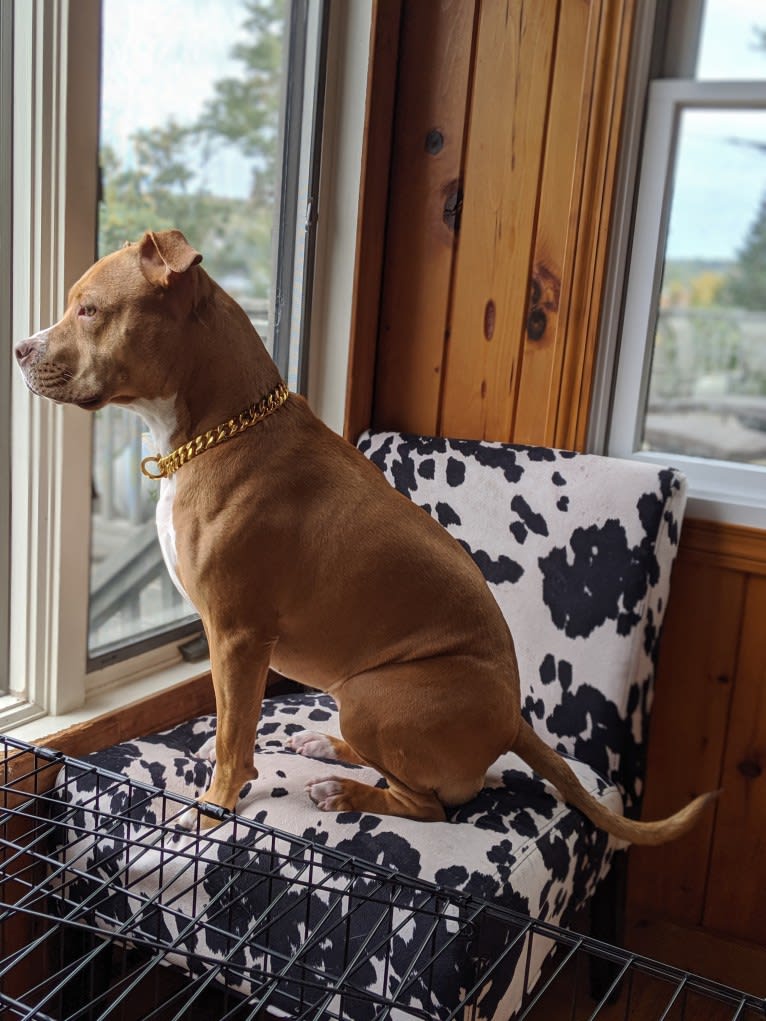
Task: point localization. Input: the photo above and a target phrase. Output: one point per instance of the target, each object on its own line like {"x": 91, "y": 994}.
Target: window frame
{"x": 6, "y": 326}
{"x": 301, "y": 105}
{"x": 54, "y": 142}
{"x": 725, "y": 491}
{"x": 723, "y": 487}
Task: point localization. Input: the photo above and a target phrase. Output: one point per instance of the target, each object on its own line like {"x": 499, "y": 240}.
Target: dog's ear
{"x": 165, "y": 255}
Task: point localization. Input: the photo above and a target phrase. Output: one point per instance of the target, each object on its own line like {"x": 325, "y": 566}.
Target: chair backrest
{"x": 577, "y": 549}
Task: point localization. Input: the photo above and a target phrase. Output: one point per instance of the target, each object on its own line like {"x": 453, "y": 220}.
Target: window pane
{"x": 707, "y": 390}
{"x": 189, "y": 139}
{"x": 733, "y": 40}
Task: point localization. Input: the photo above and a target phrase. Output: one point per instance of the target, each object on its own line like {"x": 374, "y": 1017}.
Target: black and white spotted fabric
{"x": 577, "y": 550}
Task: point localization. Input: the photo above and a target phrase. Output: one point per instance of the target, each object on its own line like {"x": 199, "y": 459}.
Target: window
{"x": 690, "y": 381}
{"x": 198, "y": 149}
{"x": 213, "y": 131}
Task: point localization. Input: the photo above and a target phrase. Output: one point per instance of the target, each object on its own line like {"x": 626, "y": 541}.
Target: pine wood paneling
{"x": 575, "y": 206}
{"x": 559, "y": 214}
{"x": 368, "y": 271}
{"x": 697, "y": 664}
{"x": 604, "y": 102}
{"x": 434, "y": 65}
{"x": 733, "y": 546}
{"x": 736, "y": 896}
{"x": 509, "y": 105}
{"x": 489, "y": 319}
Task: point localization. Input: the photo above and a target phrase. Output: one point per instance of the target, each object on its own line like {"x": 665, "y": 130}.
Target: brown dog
{"x": 297, "y": 552}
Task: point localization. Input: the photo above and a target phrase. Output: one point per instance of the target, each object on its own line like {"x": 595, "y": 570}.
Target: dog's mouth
{"x": 90, "y": 403}
{"x": 57, "y": 384}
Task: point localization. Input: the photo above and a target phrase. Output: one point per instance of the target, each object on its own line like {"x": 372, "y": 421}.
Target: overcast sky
{"x": 719, "y": 181}
{"x": 160, "y": 60}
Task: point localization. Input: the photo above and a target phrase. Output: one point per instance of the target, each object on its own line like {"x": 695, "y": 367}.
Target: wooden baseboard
{"x": 720, "y": 958}
{"x": 148, "y": 715}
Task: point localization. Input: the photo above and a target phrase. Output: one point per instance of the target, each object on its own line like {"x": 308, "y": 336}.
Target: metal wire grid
{"x": 93, "y": 941}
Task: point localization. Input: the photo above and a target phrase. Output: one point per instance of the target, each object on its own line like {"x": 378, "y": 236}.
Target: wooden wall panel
{"x": 693, "y": 687}
{"x": 708, "y": 731}
{"x": 736, "y": 897}
{"x": 736, "y": 547}
{"x": 603, "y": 100}
{"x": 547, "y": 312}
{"x": 489, "y": 319}
{"x": 376, "y": 158}
{"x": 575, "y": 207}
{"x": 426, "y": 187}
{"x": 504, "y": 155}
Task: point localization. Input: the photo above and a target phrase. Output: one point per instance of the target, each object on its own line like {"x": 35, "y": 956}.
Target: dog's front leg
{"x": 240, "y": 667}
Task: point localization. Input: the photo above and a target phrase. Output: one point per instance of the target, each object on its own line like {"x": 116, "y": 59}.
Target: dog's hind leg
{"x": 339, "y": 794}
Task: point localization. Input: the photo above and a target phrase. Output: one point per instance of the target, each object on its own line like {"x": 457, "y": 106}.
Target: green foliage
{"x": 157, "y": 185}
{"x": 745, "y": 286}
{"x": 243, "y": 110}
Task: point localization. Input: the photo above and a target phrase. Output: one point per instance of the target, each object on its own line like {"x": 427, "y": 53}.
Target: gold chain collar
{"x": 166, "y": 466}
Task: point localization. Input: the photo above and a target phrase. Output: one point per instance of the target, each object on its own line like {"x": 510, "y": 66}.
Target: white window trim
{"x": 6, "y": 367}
{"x": 719, "y": 490}
{"x": 51, "y": 444}
{"x": 348, "y": 58}
{"x": 55, "y": 145}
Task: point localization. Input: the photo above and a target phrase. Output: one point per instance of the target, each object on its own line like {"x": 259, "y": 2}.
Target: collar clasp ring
{"x": 153, "y": 460}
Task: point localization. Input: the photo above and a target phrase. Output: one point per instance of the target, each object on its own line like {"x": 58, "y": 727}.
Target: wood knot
{"x": 544, "y": 294}
{"x": 434, "y": 142}
{"x": 453, "y": 205}
{"x": 537, "y": 321}
{"x": 749, "y": 769}
{"x": 490, "y": 314}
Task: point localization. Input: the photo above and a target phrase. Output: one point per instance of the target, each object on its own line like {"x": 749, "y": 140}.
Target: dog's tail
{"x": 552, "y": 767}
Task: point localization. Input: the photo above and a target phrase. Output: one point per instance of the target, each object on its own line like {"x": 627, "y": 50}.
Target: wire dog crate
{"x": 109, "y": 910}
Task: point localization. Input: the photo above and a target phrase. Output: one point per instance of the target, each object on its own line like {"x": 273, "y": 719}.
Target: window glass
{"x": 707, "y": 389}
{"x": 733, "y": 40}
{"x": 190, "y": 106}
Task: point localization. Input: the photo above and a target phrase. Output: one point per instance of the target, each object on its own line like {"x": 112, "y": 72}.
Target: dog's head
{"x": 121, "y": 333}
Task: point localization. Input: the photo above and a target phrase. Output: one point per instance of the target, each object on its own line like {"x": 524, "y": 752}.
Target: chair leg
{"x": 607, "y": 924}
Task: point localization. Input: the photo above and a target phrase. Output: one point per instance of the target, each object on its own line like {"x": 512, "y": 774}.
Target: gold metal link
{"x": 159, "y": 467}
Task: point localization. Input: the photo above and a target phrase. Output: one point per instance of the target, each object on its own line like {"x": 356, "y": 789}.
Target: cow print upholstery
{"x": 577, "y": 550}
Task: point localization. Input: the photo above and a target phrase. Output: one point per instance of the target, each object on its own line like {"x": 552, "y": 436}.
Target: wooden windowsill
{"x": 139, "y": 707}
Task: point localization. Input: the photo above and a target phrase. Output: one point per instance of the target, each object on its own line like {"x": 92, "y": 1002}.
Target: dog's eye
{"x": 87, "y": 311}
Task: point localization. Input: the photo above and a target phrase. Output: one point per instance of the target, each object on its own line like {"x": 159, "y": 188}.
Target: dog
{"x": 298, "y": 554}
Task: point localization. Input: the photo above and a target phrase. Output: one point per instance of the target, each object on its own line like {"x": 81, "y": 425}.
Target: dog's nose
{"x": 26, "y": 349}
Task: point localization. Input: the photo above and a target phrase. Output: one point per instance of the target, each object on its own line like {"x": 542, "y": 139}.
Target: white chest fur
{"x": 160, "y": 417}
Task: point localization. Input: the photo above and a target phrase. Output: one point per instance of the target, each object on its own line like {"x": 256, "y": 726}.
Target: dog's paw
{"x": 328, "y": 794}
{"x": 193, "y": 819}
{"x": 188, "y": 820}
{"x": 311, "y": 744}
{"x": 207, "y": 750}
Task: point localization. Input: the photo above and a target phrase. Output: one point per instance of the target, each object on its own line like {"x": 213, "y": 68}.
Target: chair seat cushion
{"x": 516, "y": 844}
